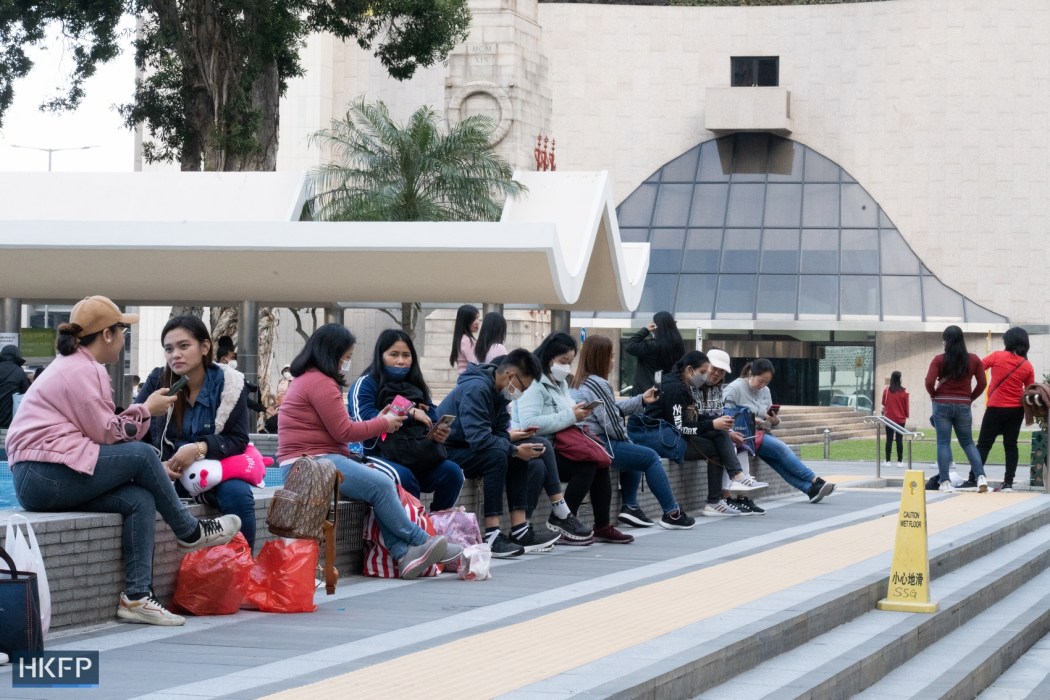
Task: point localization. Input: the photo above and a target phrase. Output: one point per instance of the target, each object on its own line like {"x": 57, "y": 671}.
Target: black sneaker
{"x": 968, "y": 485}
{"x": 564, "y": 541}
{"x": 634, "y": 516}
{"x": 819, "y": 490}
{"x": 933, "y": 483}
{"x": 502, "y": 548}
{"x": 535, "y": 542}
{"x": 569, "y": 527}
{"x": 679, "y": 520}
{"x": 746, "y": 506}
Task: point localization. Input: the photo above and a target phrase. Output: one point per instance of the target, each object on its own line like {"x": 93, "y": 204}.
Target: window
{"x": 755, "y": 71}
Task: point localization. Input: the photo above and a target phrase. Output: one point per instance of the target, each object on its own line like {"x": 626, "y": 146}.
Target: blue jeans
{"x": 363, "y": 483}
{"x": 784, "y": 462}
{"x": 634, "y": 460}
{"x": 947, "y": 416}
{"x": 445, "y": 481}
{"x": 129, "y": 479}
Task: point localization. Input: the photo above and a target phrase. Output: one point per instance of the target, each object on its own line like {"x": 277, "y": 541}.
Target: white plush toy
{"x": 205, "y": 474}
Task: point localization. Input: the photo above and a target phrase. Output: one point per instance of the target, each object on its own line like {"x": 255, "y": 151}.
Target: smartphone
{"x": 532, "y": 429}
{"x": 443, "y": 420}
{"x": 775, "y": 408}
{"x": 177, "y": 386}
{"x": 592, "y": 405}
{"x": 401, "y": 406}
{"x": 658, "y": 377}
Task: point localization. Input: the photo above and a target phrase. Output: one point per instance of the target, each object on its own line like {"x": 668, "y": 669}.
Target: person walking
{"x": 895, "y": 407}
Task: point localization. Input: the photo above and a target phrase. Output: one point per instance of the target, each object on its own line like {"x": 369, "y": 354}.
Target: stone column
{"x": 334, "y": 314}
{"x": 488, "y": 307}
{"x": 11, "y": 315}
{"x": 560, "y": 320}
{"x": 248, "y": 341}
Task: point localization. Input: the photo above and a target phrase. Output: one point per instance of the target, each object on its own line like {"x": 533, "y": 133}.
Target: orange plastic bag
{"x": 213, "y": 581}
{"x": 284, "y": 577}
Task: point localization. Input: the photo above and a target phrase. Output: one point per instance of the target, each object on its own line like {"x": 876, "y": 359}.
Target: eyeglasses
{"x": 124, "y": 328}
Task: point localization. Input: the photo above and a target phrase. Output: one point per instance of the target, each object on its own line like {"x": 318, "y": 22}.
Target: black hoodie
{"x": 12, "y": 381}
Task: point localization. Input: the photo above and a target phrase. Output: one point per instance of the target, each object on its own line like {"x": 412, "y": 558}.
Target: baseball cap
{"x": 719, "y": 359}
{"x": 97, "y": 313}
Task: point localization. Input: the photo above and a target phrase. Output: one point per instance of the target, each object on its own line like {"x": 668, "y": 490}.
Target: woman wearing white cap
{"x": 70, "y": 451}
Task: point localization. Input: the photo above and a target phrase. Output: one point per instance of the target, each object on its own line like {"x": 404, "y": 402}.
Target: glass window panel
{"x": 897, "y": 257}
{"x": 682, "y": 168}
{"x": 769, "y": 71}
{"x": 820, "y": 169}
{"x": 818, "y": 297}
{"x": 901, "y": 298}
{"x": 820, "y": 251}
{"x": 750, "y": 155}
{"x": 978, "y": 314}
{"x": 846, "y": 177}
{"x": 745, "y": 205}
{"x": 655, "y": 177}
{"x": 658, "y": 294}
{"x": 785, "y": 160}
{"x": 939, "y": 302}
{"x": 820, "y": 205}
{"x": 740, "y": 252}
{"x": 736, "y": 296}
{"x": 884, "y": 221}
{"x": 634, "y": 235}
{"x": 672, "y": 205}
{"x": 696, "y": 296}
{"x": 860, "y": 251}
{"x": 637, "y": 209}
{"x": 703, "y": 250}
{"x": 777, "y": 296}
{"x": 859, "y": 297}
{"x": 780, "y": 251}
{"x": 858, "y": 208}
{"x": 709, "y": 205}
{"x": 783, "y": 205}
{"x": 715, "y": 157}
{"x": 665, "y": 250}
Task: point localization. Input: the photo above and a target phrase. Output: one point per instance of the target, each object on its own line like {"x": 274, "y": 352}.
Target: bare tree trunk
{"x": 410, "y": 315}
{"x": 267, "y": 339}
{"x": 224, "y": 321}
{"x": 197, "y": 311}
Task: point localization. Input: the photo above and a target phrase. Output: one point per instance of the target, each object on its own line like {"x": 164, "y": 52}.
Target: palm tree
{"x": 385, "y": 171}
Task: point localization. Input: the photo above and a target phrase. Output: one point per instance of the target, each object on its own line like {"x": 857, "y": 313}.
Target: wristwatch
{"x": 202, "y": 450}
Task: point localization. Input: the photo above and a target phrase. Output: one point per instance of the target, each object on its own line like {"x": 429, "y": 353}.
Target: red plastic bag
{"x": 284, "y": 577}
{"x": 378, "y": 560}
{"x": 213, "y": 581}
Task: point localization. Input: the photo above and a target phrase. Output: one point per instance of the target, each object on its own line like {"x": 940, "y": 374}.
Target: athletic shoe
{"x": 534, "y": 542}
{"x": 900, "y": 465}
{"x": 566, "y": 542}
{"x": 982, "y": 484}
{"x": 4, "y": 658}
{"x": 746, "y": 506}
{"x": 933, "y": 482}
{"x": 634, "y": 516}
{"x": 608, "y": 533}
{"x": 751, "y": 481}
{"x": 213, "y": 531}
{"x": 147, "y": 611}
{"x": 968, "y": 485}
{"x": 569, "y": 527}
{"x": 420, "y": 557}
{"x": 946, "y": 486}
{"x": 1007, "y": 487}
{"x": 502, "y": 548}
{"x": 715, "y": 510}
{"x": 819, "y": 490}
{"x": 451, "y": 559}
{"x": 744, "y": 485}
{"x": 887, "y": 464}
{"x": 679, "y": 520}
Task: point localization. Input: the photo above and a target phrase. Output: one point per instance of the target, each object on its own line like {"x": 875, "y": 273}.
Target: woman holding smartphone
{"x": 395, "y": 372}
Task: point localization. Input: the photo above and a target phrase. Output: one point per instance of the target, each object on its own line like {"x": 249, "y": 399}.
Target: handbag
{"x": 578, "y": 444}
{"x": 20, "y": 628}
{"x": 744, "y": 423}
{"x": 25, "y": 552}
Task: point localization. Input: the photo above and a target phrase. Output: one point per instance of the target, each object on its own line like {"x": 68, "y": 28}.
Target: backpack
{"x": 300, "y": 509}
{"x": 410, "y": 447}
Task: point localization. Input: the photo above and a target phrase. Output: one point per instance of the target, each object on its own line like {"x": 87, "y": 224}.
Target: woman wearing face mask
{"x": 547, "y": 406}
{"x": 395, "y": 371}
{"x": 313, "y": 421}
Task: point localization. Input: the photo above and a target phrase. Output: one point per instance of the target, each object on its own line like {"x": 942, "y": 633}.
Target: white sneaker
{"x": 752, "y": 481}
{"x": 147, "y": 611}
{"x": 213, "y": 531}
{"x": 946, "y": 486}
{"x": 887, "y": 464}
{"x": 714, "y": 510}
{"x": 3, "y": 658}
{"x": 982, "y": 484}
{"x": 900, "y": 465}
{"x": 742, "y": 485}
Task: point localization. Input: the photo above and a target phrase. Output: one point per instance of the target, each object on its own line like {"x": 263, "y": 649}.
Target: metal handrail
{"x": 908, "y": 435}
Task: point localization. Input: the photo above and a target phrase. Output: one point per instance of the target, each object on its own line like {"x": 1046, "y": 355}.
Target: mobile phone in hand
{"x": 532, "y": 429}
{"x": 592, "y": 405}
{"x": 775, "y": 408}
{"x": 658, "y": 377}
{"x": 401, "y": 406}
{"x": 177, "y": 386}
{"x": 445, "y": 420}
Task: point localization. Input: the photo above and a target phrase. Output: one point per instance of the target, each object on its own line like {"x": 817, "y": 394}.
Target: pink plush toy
{"x": 205, "y": 474}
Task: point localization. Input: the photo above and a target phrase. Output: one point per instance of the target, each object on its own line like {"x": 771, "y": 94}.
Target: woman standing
{"x": 895, "y": 407}
{"x": 657, "y": 346}
{"x": 490, "y": 339}
{"x": 313, "y": 421}
{"x": 209, "y": 419}
{"x": 464, "y": 333}
{"x": 954, "y": 381}
{"x": 70, "y": 451}
{"x": 1003, "y": 414}
{"x": 395, "y": 371}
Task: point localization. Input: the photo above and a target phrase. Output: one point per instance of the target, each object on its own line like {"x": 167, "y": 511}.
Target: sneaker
{"x": 569, "y": 527}
{"x": 213, "y": 531}
{"x": 887, "y": 464}
{"x": 933, "y": 482}
{"x": 608, "y": 533}
{"x": 982, "y": 484}
{"x": 420, "y": 557}
{"x": 679, "y": 520}
{"x": 451, "y": 559}
{"x": 147, "y": 611}
{"x": 4, "y": 658}
{"x": 819, "y": 490}
{"x": 746, "y": 506}
{"x": 900, "y": 465}
{"x": 714, "y": 510}
{"x": 751, "y": 481}
{"x": 634, "y": 516}
{"x": 744, "y": 485}
{"x": 946, "y": 486}
{"x": 535, "y": 542}
{"x": 503, "y": 548}
{"x": 1007, "y": 487}
{"x": 566, "y": 542}
{"x": 968, "y": 485}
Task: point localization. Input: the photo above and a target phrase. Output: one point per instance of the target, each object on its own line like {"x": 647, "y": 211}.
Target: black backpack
{"x": 411, "y": 447}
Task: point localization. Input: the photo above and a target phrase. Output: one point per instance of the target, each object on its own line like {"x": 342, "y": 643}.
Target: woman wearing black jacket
{"x": 657, "y": 347}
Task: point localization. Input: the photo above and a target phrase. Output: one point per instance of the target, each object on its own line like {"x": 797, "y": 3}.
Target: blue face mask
{"x": 397, "y": 372}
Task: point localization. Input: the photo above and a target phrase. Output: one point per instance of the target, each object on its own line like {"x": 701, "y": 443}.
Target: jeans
{"x": 542, "y": 476}
{"x": 234, "y": 497}
{"x": 129, "y": 479}
{"x": 634, "y": 460}
{"x": 445, "y": 481}
{"x": 957, "y": 416}
{"x": 890, "y": 435}
{"x": 784, "y": 462}
{"x": 1006, "y": 422}
{"x": 363, "y": 483}
{"x": 498, "y": 471}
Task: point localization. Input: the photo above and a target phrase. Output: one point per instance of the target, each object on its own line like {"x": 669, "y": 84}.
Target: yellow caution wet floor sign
{"x": 909, "y": 585}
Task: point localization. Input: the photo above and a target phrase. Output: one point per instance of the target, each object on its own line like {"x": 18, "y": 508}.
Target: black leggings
{"x": 1001, "y": 421}
{"x": 890, "y": 434}
{"x": 578, "y": 477}
{"x": 715, "y": 447}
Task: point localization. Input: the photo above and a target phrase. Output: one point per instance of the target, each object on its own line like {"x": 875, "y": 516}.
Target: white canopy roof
{"x": 159, "y": 238}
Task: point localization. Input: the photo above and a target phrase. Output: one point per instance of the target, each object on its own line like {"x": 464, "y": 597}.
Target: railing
{"x": 908, "y": 435}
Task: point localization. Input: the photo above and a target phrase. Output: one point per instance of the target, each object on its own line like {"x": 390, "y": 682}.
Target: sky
{"x": 95, "y": 123}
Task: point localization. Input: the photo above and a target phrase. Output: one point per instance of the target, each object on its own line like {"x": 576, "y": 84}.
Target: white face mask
{"x": 511, "y": 393}
{"x": 560, "y": 372}
{"x": 232, "y": 364}
{"x": 345, "y": 367}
